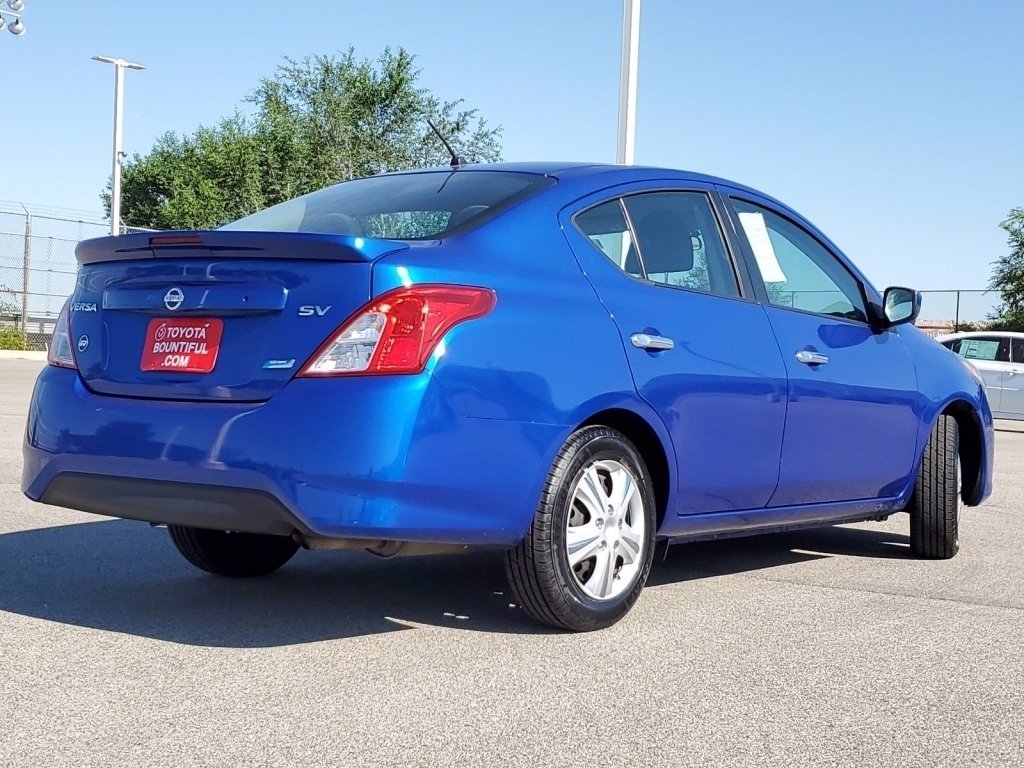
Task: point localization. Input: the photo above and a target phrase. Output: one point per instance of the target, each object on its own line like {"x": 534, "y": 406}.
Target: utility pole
{"x": 120, "y": 65}
{"x": 627, "y": 81}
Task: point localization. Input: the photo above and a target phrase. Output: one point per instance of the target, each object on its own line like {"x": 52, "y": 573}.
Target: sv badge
{"x": 311, "y": 310}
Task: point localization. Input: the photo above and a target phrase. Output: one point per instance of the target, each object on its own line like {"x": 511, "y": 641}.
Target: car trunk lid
{"x": 212, "y": 315}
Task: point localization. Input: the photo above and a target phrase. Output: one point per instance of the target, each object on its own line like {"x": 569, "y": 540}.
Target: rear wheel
{"x": 588, "y": 552}
{"x": 229, "y": 553}
{"x": 935, "y": 505}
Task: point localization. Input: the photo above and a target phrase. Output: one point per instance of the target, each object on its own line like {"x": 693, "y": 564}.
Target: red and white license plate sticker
{"x": 182, "y": 344}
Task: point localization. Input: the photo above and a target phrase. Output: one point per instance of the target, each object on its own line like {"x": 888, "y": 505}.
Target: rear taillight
{"x": 398, "y": 331}
{"x": 60, "y": 345}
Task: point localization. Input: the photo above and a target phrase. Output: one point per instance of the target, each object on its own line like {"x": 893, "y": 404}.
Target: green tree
{"x": 316, "y": 122}
{"x": 11, "y": 337}
{"x": 8, "y": 307}
{"x": 1008, "y": 277}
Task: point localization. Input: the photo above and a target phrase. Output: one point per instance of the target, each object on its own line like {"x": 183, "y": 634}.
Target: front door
{"x": 852, "y": 423}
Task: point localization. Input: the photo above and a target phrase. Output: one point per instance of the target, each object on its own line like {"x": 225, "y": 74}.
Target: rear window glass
{"x": 406, "y": 206}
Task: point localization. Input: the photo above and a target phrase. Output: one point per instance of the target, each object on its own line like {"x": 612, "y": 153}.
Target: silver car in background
{"x": 999, "y": 357}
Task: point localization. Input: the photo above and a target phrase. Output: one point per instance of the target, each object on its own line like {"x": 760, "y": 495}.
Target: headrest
{"x": 464, "y": 215}
{"x": 665, "y": 242}
{"x": 341, "y": 224}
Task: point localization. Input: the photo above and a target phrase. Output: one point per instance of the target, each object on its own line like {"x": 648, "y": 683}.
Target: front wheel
{"x": 588, "y": 553}
{"x": 230, "y": 553}
{"x": 935, "y": 505}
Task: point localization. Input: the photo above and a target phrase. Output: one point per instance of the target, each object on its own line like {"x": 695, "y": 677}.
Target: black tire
{"x": 935, "y": 504}
{"x": 538, "y": 568}
{"x": 227, "y": 553}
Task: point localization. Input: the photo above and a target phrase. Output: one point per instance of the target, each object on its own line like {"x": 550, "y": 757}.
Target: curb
{"x": 17, "y": 354}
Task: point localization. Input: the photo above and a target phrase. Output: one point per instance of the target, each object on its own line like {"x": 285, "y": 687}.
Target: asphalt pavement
{"x": 829, "y": 647}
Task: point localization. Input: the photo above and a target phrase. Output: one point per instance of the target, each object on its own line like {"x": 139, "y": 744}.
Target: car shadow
{"x": 122, "y": 576}
{"x": 681, "y": 562}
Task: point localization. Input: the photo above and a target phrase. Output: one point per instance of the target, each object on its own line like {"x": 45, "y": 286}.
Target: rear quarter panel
{"x": 546, "y": 359}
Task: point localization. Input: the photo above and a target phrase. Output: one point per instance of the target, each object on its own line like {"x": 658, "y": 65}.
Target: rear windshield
{"x": 407, "y": 206}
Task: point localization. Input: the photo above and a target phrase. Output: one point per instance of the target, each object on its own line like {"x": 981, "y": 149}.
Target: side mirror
{"x": 901, "y": 305}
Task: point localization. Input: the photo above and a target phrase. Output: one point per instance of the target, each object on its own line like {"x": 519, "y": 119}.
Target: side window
{"x": 952, "y": 345}
{"x": 664, "y": 237}
{"x": 679, "y": 242}
{"x": 607, "y": 229}
{"x": 796, "y": 269}
{"x": 1018, "y": 350}
{"x": 985, "y": 348}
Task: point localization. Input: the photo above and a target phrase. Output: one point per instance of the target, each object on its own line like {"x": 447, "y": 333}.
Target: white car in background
{"x": 999, "y": 357}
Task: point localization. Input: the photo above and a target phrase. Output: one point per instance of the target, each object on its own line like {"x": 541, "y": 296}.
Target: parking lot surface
{"x": 827, "y": 647}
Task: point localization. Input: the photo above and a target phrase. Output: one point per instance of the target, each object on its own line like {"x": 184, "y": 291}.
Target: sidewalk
{"x": 14, "y": 354}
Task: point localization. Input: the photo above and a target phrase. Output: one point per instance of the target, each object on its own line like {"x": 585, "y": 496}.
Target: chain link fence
{"x": 956, "y": 310}
{"x": 37, "y": 264}
{"x": 941, "y": 311}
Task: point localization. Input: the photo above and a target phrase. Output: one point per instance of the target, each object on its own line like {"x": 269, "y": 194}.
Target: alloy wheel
{"x": 605, "y": 530}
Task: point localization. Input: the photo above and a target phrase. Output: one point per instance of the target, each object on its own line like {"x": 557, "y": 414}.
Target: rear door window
{"x": 672, "y": 238}
{"x": 606, "y": 227}
{"x": 679, "y": 242}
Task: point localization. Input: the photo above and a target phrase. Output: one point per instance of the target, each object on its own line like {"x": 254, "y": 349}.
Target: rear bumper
{"x": 374, "y": 458}
{"x": 200, "y": 506}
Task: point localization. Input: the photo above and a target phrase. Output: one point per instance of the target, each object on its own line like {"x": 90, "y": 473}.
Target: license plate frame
{"x": 181, "y": 345}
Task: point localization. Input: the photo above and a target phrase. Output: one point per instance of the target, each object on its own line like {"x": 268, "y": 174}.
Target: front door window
{"x": 798, "y": 272}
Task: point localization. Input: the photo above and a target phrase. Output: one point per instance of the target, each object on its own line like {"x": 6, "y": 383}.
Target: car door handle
{"x": 1015, "y": 371}
{"x": 647, "y": 341}
{"x": 807, "y": 357}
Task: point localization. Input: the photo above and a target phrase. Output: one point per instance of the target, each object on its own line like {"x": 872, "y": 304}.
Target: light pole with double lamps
{"x": 10, "y": 17}
{"x": 120, "y": 65}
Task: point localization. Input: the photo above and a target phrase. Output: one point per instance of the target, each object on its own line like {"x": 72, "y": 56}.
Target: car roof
{"x": 577, "y": 179}
{"x": 569, "y": 170}
{"x": 980, "y": 334}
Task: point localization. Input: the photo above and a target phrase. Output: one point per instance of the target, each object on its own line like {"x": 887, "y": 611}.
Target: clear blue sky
{"x": 894, "y": 126}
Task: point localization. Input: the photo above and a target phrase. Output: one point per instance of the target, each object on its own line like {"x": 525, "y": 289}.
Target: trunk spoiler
{"x": 217, "y": 244}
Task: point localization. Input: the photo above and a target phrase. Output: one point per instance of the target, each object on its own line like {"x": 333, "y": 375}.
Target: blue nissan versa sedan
{"x": 564, "y": 362}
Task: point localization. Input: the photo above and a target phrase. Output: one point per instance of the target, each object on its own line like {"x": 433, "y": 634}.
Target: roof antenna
{"x": 457, "y": 159}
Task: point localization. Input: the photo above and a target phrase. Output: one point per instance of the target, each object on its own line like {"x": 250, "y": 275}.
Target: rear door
{"x": 701, "y": 351}
{"x": 852, "y": 422}
{"x": 1012, "y": 403}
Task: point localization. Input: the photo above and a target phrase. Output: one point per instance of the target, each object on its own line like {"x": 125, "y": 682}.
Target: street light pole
{"x": 13, "y": 11}
{"x": 627, "y": 80}
{"x": 115, "y": 184}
